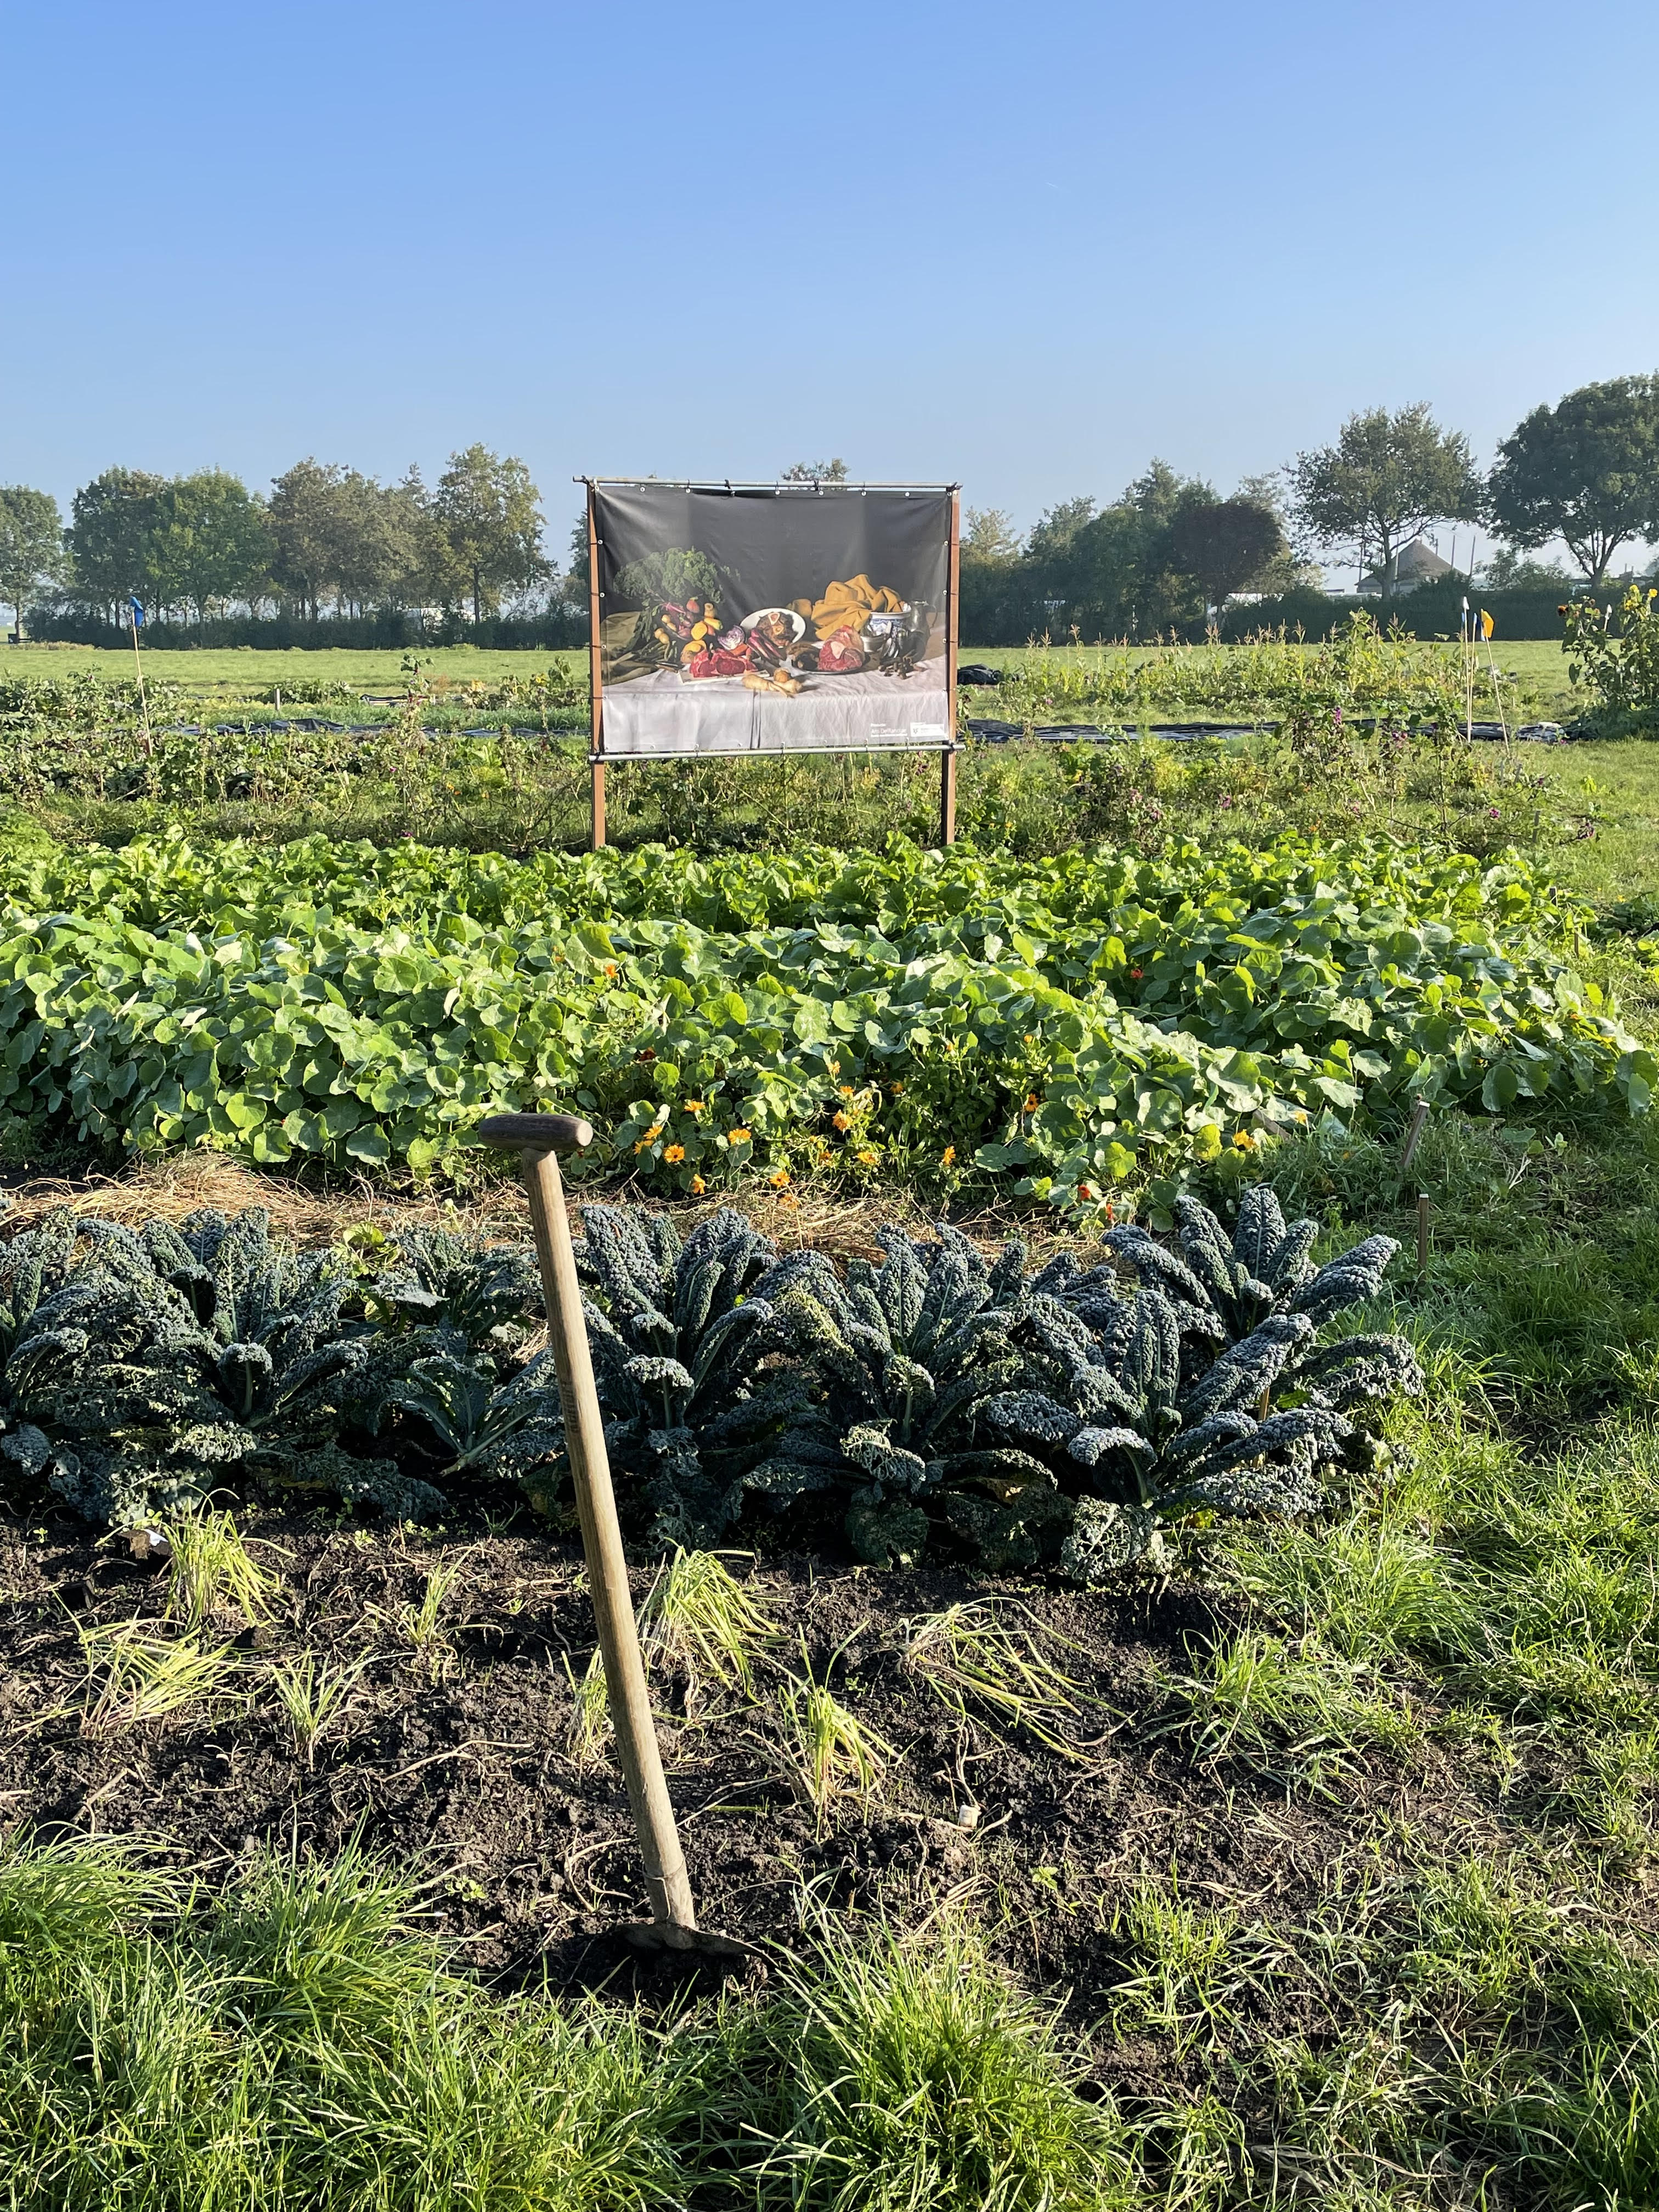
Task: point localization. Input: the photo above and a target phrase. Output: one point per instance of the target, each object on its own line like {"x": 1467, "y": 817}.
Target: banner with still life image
{"x": 772, "y": 619}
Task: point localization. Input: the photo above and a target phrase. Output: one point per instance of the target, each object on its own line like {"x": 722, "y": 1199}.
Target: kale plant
{"x": 163, "y": 1363}
{"x": 1113, "y": 1419}
{"x": 480, "y": 1291}
{"x": 475, "y": 1422}
{"x": 688, "y": 1348}
{"x": 1222, "y": 1290}
{"x": 906, "y": 1355}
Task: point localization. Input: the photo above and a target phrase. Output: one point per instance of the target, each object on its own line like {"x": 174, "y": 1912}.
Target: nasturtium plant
{"x": 1057, "y": 1027}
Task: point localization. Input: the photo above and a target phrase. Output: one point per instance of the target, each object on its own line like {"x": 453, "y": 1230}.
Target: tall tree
{"x": 490, "y": 522}
{"x": 114, "y": 519}
{"x": 305, "y": 530}
{"x": 990, "y": 580}
{"x": 211, "y": 542}
{"x": 815, "y": 472}
{"x": 990, "y": 535}
{"x": 30, "y": 545}
{"x": 1110, "y": 573}
{"x": 1386, "y": 477}
{"x": 1225, "y": 544}
{"x": 1585, "y": 470}
{"x": 338, "y": 532}
{"x": 383, "y": 531}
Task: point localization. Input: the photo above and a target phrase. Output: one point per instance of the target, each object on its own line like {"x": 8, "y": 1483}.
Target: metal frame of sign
{"x": 947, "y": 748}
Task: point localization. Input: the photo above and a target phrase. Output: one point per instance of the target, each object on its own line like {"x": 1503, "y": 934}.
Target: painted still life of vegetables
{"x": 854, "y": 625}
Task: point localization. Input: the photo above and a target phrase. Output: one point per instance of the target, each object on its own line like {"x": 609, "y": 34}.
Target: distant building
{"x": 1413, "y": 564}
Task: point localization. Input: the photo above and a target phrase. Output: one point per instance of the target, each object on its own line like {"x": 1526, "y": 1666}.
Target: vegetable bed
{"x": 1056, "y": 1027}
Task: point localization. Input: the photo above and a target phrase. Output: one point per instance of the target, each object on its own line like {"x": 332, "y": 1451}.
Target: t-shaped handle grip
{"x": 538, "y": 1133}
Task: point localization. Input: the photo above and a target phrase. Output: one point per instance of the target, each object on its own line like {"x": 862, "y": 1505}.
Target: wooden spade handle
{"x": 538, "y": 1133}
{"x": 539, "y": 1137}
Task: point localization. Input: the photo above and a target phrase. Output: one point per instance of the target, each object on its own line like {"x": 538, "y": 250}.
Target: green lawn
{"x": 1538, "y": 663}
{"x": 251, "y": 667}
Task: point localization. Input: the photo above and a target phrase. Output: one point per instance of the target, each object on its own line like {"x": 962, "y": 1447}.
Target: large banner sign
{"x": 772, "y": 619}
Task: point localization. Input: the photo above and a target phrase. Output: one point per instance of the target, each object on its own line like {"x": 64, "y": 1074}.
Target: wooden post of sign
{"x": 595, "y": 675}
{"x": 947, "y": 775}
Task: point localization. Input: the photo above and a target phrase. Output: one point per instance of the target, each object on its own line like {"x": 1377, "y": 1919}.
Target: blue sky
{"x": 1024, "y": 247}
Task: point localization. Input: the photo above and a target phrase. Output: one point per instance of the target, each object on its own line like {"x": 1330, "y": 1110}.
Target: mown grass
{"x": 232, "y": 669}
{"x": 1536, "y": 660}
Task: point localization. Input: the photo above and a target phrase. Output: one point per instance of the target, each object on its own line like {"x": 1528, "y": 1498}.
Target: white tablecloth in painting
{"x": 661, "y": 714}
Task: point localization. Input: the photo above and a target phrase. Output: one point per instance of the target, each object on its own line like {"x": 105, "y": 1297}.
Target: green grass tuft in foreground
{"x": 1474, "y": 2036}
{"x": 297, "y": 2042}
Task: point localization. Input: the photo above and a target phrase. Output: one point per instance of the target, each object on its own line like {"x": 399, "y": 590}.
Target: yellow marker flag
{"x": 1485, "y": 623}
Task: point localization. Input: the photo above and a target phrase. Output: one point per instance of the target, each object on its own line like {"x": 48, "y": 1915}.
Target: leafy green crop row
{"x": 1048, "y": 1417}
{"x": 1063, "y": 1024}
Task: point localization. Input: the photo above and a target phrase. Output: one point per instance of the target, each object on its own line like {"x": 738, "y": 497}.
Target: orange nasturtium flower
{"x": 1085, "y": 1190}
{"x": 609, "y": 967}
{"x": 866, "y": 1160}
{"x": 695, "y": 1105}
{"x": 843, "y": 1121}
{"x": 739, "y": 1136}
{"x": 1032, "y": 1101}
{"x": 948, "y": 1157}
{"x": 698, "y": 1186}
{"x": 673, "y": 1154}
{"x": 778, "y": 1178}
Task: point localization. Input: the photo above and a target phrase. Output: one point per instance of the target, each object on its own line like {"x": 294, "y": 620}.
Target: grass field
{"x": 1537, "y": 662}
{"x": 249, "y": 665}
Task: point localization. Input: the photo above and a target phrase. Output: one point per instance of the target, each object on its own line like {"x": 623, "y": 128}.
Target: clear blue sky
{"x": 1027, "y": 247}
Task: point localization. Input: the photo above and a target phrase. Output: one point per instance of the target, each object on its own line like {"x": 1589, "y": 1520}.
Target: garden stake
{"x": 1422, "y": 1235}
{"x": 537, "y": 1139}
{"x": 1408, "y": 1151}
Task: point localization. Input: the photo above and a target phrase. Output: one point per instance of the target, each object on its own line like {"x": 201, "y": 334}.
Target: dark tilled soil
{"x": 462, "y": 1763}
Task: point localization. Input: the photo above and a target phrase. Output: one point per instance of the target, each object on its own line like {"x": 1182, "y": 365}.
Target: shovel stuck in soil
{"x": 537, "y": 1139}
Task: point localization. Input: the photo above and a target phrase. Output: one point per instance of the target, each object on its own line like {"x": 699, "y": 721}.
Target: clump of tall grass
{"x": 827, "y": 1752}
{"x": 133, "y": 1677}
{"x": 211, "y": 1574}
{"x": 913, "y": 2079}
{"x": 992, "y": 1656}
{"x": 699, "y": 1620}
{"x": 298, "y": 2042}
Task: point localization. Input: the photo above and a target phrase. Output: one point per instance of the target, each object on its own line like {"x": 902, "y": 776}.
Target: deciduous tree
{"x": 1386, "y": 477}
{"x": 210, "y": 541}
{"x": 30, "y": 545}
{"x": 1585, "y": 470}
{"x": 490, "y": 525}
{"x": 113, "y": 519}
{"x": 1226, "y": 545}
{"x": 304, "y": 529}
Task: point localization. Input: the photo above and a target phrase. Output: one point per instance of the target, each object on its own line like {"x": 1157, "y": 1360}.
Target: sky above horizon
{"x": 1023, "y": 249}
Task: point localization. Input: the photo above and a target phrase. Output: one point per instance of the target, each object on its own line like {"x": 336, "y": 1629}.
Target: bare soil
{"x": 464, "y": 1761}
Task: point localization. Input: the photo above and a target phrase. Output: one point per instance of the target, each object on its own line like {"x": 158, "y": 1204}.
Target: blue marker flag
{"x": 138, "y": 611}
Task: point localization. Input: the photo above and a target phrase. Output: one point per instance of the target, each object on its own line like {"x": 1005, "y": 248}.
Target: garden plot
{"x": 1053, "y": 1029}
{"x": 869, "y": 1743}
{"x": 1327, "y": 1839}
